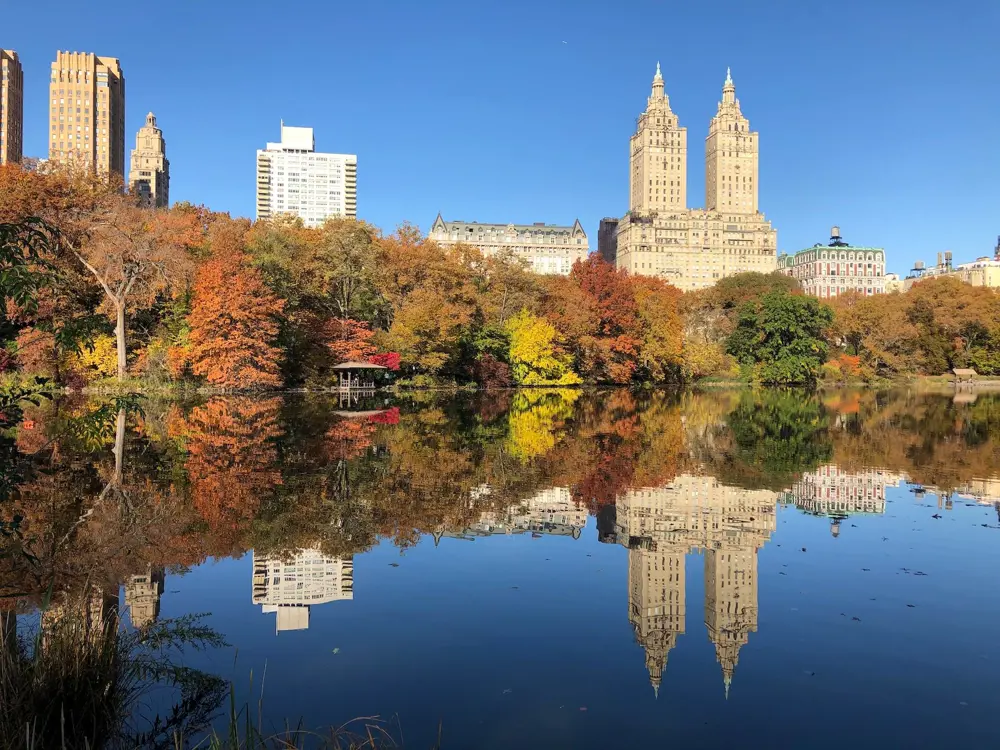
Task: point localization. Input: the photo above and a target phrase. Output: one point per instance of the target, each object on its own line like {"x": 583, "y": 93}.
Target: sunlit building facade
{"x": 826, "y": 271}
{"x": 87, "y": 113}
{"x": 149, "y": 175}
{"x": 11, "y": 108}
{"x": 294, "y": 179}
{"x": 694, "y": 248}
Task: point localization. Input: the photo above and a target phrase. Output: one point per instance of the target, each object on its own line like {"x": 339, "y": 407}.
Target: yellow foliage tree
{"x": 536, "y": 421}
{"x": 535, "y": 355}
{"x": 99, "y": 360}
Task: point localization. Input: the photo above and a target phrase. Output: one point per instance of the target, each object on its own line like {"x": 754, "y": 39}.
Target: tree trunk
{"x": 120, "y": 338}
{"x": 119, "y": 450}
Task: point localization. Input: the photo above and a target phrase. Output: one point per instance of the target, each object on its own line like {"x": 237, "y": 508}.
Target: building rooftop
{"x": 576, "y": 229}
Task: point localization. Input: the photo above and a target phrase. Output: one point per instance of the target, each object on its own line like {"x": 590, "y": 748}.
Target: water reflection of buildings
{"x": 830, "y": 491}
{"x": 290, "y": 586}
{"x": 551, "y": 512}
{"x": 981, "y": 491}
{"x": 142, "y": 596}
{"x": 660, "y": 527}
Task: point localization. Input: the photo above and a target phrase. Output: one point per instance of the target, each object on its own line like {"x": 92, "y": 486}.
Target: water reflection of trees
{"x": 106, "y": 491}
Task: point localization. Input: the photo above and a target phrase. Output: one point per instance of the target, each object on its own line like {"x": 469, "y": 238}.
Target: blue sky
{"x": 881, "y": 116}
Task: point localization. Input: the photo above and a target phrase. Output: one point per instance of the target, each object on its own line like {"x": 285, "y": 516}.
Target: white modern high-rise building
{"x": 292, "y": 178}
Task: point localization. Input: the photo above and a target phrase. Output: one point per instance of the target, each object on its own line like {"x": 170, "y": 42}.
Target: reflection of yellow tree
{"x": 537, "y": 419}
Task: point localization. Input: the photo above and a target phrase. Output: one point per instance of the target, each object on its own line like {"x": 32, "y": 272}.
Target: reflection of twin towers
{"x": 660, "y": 527}
{"x": 729, "y": 525}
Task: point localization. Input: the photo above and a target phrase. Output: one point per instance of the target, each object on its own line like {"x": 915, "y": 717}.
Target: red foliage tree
{"x": 613, "y": 349}
{"x": 388, "y": 360}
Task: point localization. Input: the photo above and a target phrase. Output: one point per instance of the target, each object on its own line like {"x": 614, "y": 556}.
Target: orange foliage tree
{"x": 234, "y": 322}
{"x": 231, "y": 459}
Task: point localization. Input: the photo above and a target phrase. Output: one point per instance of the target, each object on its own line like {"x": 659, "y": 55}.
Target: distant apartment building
{"x": 826, "y": 271}
{"x": 984, "y": 271}
{"x": 294, "y": 179}
{"x": 87, "y": 112}
{"x": 11, "y": 107}
{"x": 607, "y": 239}
{"x": 288, "y": 587}
{"x": 149, "y": 176}
{"x": 546, "y": 248}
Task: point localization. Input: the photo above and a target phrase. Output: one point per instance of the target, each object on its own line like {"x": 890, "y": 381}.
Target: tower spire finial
{"x": 729, "y": 77}
{"x": 658, "y": 74}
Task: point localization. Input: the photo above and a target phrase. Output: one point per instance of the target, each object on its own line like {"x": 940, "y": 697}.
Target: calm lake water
{"x": 546, "y": 568}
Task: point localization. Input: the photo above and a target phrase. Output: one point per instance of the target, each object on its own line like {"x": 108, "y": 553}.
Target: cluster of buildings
{"x": 87, "y": 128}
{"x": 86, "y": 125}
{"x": 691, "y": 248}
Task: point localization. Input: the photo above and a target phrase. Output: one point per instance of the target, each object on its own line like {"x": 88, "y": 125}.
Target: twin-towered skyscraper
{"x": 693, "y": 248}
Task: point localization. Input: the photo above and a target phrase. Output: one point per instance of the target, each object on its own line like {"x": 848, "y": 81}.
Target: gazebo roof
{"x": 358, "y": 366}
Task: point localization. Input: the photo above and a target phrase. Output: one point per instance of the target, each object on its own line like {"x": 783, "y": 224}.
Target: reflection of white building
{"x": 290, "y": 587}
{"x": 550, "y": 512}
{"x": 830, "y": 491}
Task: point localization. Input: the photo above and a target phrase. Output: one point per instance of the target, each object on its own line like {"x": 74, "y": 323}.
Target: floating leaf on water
{"x": 336, "y": 651}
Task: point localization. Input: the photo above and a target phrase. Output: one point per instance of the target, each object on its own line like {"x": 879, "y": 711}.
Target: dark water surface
{"x": 550, "y": 568}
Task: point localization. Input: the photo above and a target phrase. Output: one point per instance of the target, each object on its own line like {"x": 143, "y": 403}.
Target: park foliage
{"x": 96, "y": 287}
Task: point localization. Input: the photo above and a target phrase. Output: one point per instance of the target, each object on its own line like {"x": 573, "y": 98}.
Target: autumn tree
{"x": 661, "y": 349}
{"x": 535, "y": 354}
{"x": 234, "y": 321}
{"x": 611, "y": 351}
{"x": 135, "y": 254}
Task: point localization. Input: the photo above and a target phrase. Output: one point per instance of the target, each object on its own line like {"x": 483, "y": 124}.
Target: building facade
{"x": 546, "y": 248}
{"x": 149, "y": 176}
{"x": 294, "y": 179}
{"x": 11, "y": 108}
{"x": 607, "y": 240}
{"x": 87, "y": 113}
{"x": 289, "y": 587}
{"x": 827, "y": 271}
{"x": 694, "y": 248}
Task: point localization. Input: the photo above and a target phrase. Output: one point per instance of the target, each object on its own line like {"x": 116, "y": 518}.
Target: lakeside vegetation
{"x": 100, "y": 290}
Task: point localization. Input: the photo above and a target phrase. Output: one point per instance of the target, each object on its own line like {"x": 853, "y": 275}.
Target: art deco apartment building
{"x": 694, "y": 248}
{"x": 547, "y": 248}
{"x": 11, "y": 107}
{"x": 826, "y": 271}
{"x": 87, "y": 112}
{"x": 149, "y": 176}
{"x": 292, "y": 178}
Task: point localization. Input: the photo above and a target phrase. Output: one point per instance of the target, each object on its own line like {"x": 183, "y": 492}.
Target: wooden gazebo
{"x": 356, "y": 376}
{"x": 965, "y": 376}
